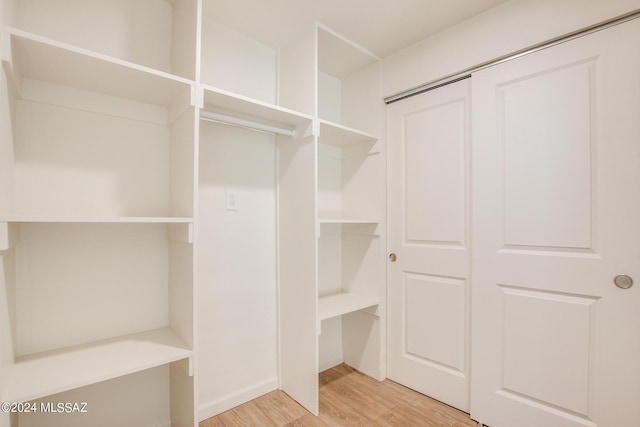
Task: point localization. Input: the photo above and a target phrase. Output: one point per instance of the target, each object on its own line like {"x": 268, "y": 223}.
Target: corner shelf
{"x": 60, "y": 63}
{"x": 38, "y": 375}
{"x": 343, "y": 303}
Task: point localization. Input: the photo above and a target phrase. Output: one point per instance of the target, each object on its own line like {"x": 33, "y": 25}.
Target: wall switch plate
{"x": 232, "y": 200}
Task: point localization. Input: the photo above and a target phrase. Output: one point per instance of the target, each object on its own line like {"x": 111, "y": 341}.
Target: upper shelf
{"x": 40, "y": 58}
{"x": 44, "y": 374}
{"x": 339, "y": 135}
{"x": 220, "y": 100}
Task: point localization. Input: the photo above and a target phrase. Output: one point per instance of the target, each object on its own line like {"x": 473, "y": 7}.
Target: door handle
{"x": 623, "y": 281}
{"x": 392, "y": 257}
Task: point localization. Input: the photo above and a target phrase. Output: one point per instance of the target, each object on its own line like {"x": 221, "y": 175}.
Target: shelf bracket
{"x": 197, "y": 96}
{"x": 180, "y": 233}
{"x": 9, "y": 236}
{"x": 308, "y": 129}
{"x": 10, "y": 66}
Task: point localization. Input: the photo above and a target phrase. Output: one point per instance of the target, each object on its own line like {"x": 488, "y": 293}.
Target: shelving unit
{"x": 117, "y": 196}
{"x": 350, "y": 206}
{"x": 97, "y": 201}
{"x": 332, "y": 235}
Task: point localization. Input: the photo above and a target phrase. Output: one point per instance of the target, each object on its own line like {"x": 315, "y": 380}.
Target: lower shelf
{"x": 342, "y": 303}
{"x": 44, "y": 374}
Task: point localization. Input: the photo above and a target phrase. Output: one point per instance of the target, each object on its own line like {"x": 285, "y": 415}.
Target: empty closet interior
{"x": 189, "y": 217}
{"x": 193, "y": 211}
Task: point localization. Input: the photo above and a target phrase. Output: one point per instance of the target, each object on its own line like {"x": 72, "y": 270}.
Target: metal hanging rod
{"x": 236, "y": 121}
{"x": 465, "y": 74}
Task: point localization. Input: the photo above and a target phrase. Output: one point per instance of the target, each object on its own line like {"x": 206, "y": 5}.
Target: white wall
{"x": 509, "y": 27}
{"x": 234, "y": 62}
{"x": 9, "y": 12}
{"x": 237, "y": 352}
{"x": 74, "y": 161}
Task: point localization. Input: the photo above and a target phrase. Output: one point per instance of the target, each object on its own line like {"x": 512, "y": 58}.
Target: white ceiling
{"x": 381, "y": 26}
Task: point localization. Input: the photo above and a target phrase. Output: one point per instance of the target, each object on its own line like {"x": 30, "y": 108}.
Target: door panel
{"x": 537, "y": 154}
{"x": 430, "y": 302}
{"x": 434, "y": 180}
{"x": 556, "y": 216}
{"x": 566, "y": 323}
{"x": 428, "y": 286}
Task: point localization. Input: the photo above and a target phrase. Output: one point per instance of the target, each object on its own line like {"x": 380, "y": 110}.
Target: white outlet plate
{"x": 232, "y": 200}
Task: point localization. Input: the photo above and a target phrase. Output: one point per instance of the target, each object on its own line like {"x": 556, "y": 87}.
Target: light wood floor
{"x": 347, "y": 398}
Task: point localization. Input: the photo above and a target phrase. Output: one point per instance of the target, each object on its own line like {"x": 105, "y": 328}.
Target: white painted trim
{"x": 231, "y": 400}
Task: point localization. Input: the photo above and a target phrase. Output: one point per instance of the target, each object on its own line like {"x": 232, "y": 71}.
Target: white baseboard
{"x": 328, "y": 364}
{"x": 231, "y": 400}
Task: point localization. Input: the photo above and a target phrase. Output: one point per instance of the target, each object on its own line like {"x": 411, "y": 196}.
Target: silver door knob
{"x": 392, "y": 257}
{"x": 623, "y": 281}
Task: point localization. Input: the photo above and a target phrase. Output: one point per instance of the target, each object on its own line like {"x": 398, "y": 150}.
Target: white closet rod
{"x": 221, "y": 118}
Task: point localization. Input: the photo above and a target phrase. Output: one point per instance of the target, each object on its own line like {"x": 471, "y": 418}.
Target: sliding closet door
{"x": 556, "y": 230}
{"x": 428, "y": 211}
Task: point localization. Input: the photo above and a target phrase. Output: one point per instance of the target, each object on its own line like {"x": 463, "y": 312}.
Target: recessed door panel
{"x": 545, "y": 122}
{"x": 434, "y": 329}
{"x": 434, "y": 174}
{"x": 551, "y": 335}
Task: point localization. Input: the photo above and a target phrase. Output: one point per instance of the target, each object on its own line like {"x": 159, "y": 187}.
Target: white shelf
{"x": 347, "y": 221}
{"x": 338, "y": 304}
{"x": 339, "y": 135}
{"x": 219, "y": 100}
{"x": 44, "y": 59}
{"x": 43, "y": 374}
{"x": 97, "y": 220}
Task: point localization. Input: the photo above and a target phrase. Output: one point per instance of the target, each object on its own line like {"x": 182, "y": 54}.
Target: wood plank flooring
{"x": 347, "y": 398}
